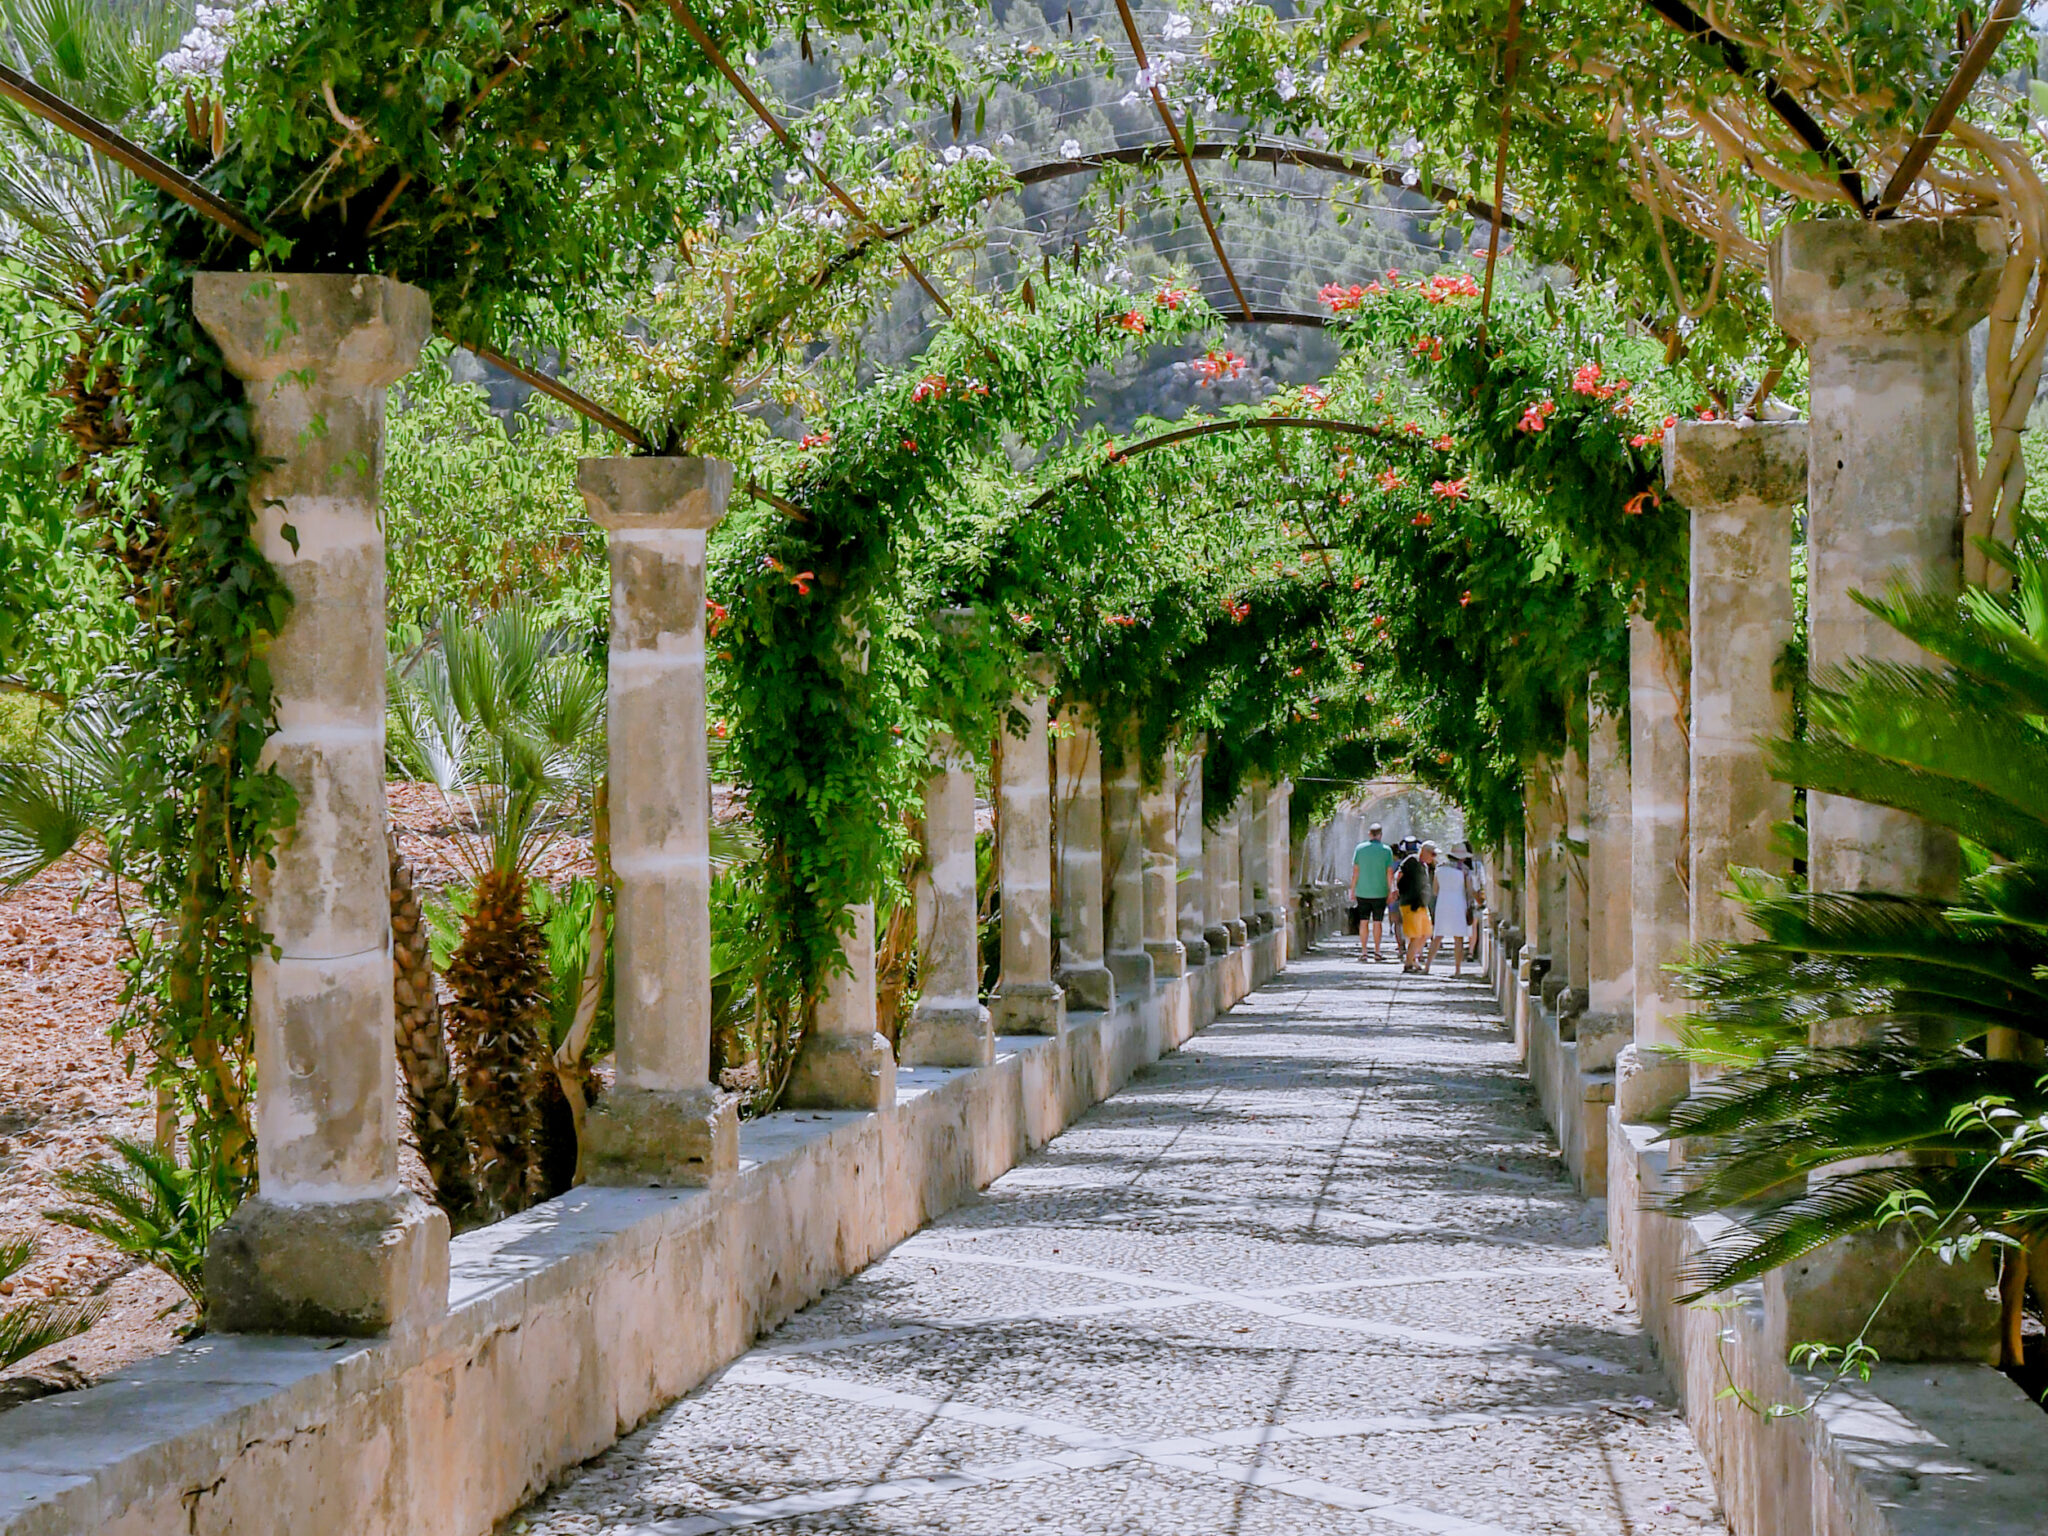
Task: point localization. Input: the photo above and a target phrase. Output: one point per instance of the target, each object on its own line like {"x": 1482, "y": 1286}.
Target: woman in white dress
{"x": 1453, "y": 916}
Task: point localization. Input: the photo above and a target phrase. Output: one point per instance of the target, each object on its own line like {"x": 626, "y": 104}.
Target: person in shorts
{"x": 1415, "y": 889}
{"x": 1372, "y": 882}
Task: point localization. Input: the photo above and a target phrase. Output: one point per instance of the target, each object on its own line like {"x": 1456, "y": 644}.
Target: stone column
{"x": 948, "y": 1027}
{"x": 1648, "y": 1081}
{"x": 1884, "y": 310}
{"x": 1223, "y": 905}
{"x": 332, "y": 1243}
{"x": 1082, "y": 973}
{"x": 1123, "y": 847}
{"x": 1280, "y": 865}
{"x": 1540, "y": 827}
{"x": 663, "y": 1122}
{"x": 1250, "y": 863}
{"x": 1215, "y": 880}
{"x": 844, "y": 1061}
{"x": 1026, "y": 1000}
{"x": 1159, "y": 811}
{"x": 1742, "y": 484}
{"x": 1263, "y": 877}
{"x": 1574, "y": 957}
{"x": 1192, "y": 876}
{"x": 1608, "y": 1023}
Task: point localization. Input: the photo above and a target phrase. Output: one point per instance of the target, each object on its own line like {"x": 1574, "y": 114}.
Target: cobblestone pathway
{"x": 1317, "y": 1272}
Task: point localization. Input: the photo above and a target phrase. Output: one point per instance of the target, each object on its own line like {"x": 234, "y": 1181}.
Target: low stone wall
{"x": 570, "y": 1323}
{"x": 1575, "y": 1101}
{"x": 1918, "y": 1450}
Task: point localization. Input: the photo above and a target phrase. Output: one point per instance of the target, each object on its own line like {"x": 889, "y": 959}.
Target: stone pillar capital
{"x": 655, "y": 492}
{"x": 346, "y": 329}
{"x": 1720, "y": 463}
{"x": 1854, "y": 277}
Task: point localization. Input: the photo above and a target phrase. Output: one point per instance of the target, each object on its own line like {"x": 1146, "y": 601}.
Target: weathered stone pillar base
{"x": 1601, "y": 1038}
{"x": 1194, "y": 953}
{"x": 835, "y": 1072}
{"x": 671, "y": 1138}
{"x": 1088, "y": 986}
{"x": 1647, "y": 1083}
{"x": 1936, "y": 1311}
{"x": 1029, "y": 1008}
{"x": 1239, "y": 932}
{"x": 844, "y": 1062}
{"x": 948, "y": 1035}
{"x": 1217, "y": 938}
{"x": 1131, "y": 970}
{"x": 1169, "y": 958}
{"x": 354, "y": 1268}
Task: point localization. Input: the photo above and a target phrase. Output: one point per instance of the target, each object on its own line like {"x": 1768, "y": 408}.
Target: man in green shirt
{"x": 1372, "y": 881}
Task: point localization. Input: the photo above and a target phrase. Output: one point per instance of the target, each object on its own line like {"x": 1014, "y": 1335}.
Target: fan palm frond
{"x": 62, "y": 794}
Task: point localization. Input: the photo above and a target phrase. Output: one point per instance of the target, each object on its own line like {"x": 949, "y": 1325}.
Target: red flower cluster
{"x": 1423, "y": 519}
{"x": 1121, "y": 620}
{"x": 1451, "y": 490}
{"x": 1445, "y": 444}
{"x": 1389, "y": 480}
{"x": 910, "y": 445}
{"x": 1133, "y": 322}
{"x": 1444, "y": 286}
{"x": 1341, "y": 299}
{"x": 1413, "y": 429}
{"x": 1586, "y": 381}
{"x": 718, "y": 612}
{"x": 1634, "y": 505}
{"x": 1640, "y": 440}
{"x": 1216, "y": 367}
{"x": 1171, "y": 298}
{"x": 1313, "y": 399}
{"x": 1534, "y": 418}
{"x": 1431, "y": 347}
{"x": 1238, "y": 610}
{"x": 812, "y": 440}
{"x": 1465, "y": 600}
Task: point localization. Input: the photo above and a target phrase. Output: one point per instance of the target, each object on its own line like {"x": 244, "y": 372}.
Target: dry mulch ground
{"x": 65, "y": 1088}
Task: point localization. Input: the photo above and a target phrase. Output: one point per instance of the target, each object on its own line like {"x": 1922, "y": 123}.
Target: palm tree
{"x": 508, "y": 723}
{"x": 70, "y": 227}
{"x": 1952, "y": 997}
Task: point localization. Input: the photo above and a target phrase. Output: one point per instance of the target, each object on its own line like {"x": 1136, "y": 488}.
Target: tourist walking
{"x": 1415, "y": 887}
{"x": 1372, "y": 882}
{"x": 1451, "y": 922}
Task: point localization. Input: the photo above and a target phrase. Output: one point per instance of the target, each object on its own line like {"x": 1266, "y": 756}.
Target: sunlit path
{"x": 1319, "y": 1271}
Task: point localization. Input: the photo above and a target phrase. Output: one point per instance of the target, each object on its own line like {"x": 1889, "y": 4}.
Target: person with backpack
{"x": 1372, "y": 882}
{"x": 1415, "y": 890}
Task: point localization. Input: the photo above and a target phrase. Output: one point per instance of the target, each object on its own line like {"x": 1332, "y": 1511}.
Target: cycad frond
{"x": 27, "y": 1327}
{"x": 150, "y": 1206}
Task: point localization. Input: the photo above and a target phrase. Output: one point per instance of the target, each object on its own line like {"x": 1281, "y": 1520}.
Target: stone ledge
{"x": 1918, "y": 1450}
{"x": 1574, "y": 1101}
{"x": 568, "y": 1324}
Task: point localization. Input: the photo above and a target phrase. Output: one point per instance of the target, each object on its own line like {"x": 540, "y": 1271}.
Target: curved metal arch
{"x": 1146, "y": 156}
{"x": 1234, "y": 424}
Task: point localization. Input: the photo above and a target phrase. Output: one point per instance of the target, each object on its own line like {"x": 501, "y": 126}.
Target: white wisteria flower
{"x": 1070, "y": 149}
{"x": 1177, "y": 27}
{"x": 201, "y": 53}
{"x": 1283, "y": 84}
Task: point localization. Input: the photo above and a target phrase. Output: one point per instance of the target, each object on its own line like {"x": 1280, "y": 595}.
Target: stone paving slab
{"x": 1320, "y": 1271}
